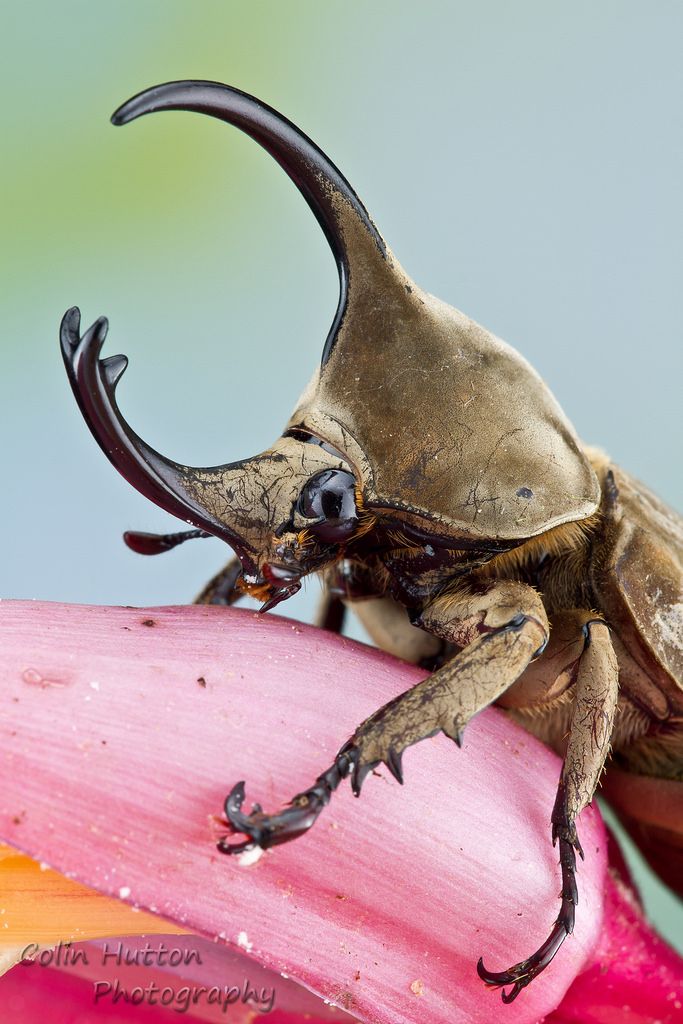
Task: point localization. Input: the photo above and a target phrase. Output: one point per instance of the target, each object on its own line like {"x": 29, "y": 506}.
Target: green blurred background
{"x": 524, "y": 161}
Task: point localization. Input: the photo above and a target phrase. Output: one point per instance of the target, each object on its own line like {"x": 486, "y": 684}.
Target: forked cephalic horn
{"x": 167, "y": 483}
{"x": 341, "y": 215}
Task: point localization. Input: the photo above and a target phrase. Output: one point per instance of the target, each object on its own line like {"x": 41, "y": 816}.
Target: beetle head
{"x": 416, "y": 408}
{"x": 287, "y": 512}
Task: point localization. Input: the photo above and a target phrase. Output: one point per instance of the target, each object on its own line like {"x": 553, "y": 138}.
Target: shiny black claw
{"x": 266, "y": 830}
{"x": 256, "y": 825}
{"x": 525, "y": 971}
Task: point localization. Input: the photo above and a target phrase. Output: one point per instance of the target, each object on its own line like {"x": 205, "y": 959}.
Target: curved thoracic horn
{"x": 168, "y": 484}
{"x": 324, "y": 188}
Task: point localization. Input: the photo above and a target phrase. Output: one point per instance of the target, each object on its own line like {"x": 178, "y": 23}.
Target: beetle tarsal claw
{"x": 524, "y": 972}
{"x": 497, "y": 980}
{"x": 295, "y": 818}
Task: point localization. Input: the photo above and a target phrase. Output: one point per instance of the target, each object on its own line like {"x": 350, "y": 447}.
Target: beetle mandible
{"x": 538, "y": 574}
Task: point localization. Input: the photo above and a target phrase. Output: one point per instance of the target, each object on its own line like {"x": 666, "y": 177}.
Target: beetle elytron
{"x": 540, "y": 576}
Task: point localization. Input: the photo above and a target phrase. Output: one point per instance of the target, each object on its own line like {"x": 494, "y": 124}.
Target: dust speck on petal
{"x": 35, "y": 678}
{"x": 417, "y": 987}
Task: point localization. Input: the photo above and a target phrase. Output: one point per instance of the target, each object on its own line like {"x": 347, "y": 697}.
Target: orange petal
{"x": 40, "y": 907}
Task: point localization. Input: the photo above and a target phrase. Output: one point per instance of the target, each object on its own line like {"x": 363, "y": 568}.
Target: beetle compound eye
{"x": 329, "y": 499}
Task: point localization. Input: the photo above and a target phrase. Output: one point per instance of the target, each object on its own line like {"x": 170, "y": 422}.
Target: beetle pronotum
{"x": 541, "y": 576}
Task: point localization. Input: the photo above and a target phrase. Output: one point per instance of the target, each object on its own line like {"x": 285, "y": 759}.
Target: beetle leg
{"x": 504, "y": 628}
{"x": 344, "y": 582}
{"x": 500, "y": 630}
{"x": 266, "y": 830}
{"x": 331, "y": 612}
{"x": 595, "y": 703}
{"x": 222, "y": 589}
{"x": 390, "y": 628}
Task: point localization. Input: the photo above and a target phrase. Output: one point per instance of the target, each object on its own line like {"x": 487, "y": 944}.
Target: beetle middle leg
{"x": 331, "y": 613}
{"x": 222, "y": 588}
{"x": 388, "y": 625}
{"x": 595, "y": 701}
{"x": 501, "y": 628}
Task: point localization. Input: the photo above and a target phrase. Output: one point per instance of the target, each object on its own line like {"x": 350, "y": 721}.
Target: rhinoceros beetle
{"x": 472, "y": 531}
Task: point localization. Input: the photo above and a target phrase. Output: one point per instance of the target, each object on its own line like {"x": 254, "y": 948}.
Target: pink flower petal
{"x": 69, "y": 999}
{"x": 124, "y": 729}
{"x": 132, "y": 980}
{"x": 634, "y": 976}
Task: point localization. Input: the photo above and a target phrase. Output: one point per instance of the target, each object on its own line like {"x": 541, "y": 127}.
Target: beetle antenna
{"x": 157, "y": 543}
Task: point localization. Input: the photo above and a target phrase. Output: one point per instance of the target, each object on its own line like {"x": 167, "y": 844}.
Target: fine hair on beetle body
{"x": 472, "y": 533}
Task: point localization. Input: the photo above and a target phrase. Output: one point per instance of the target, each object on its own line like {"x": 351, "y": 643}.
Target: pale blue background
{"x": 523, "y": 161}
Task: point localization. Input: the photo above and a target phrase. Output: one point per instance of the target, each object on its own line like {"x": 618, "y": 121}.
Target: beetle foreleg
{"x": 588, "y": 744}
{"x": 447, "y": 700}
{"x": 504, "y": 627}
